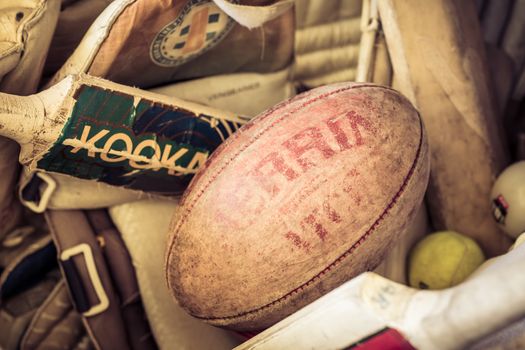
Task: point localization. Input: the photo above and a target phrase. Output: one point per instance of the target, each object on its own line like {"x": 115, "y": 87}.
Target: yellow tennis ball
{"x": 443, "y": 259}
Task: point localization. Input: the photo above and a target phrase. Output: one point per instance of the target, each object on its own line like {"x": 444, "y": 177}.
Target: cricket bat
{"x": 95, "y": 129}
{"x": 438, "y": 58}
{"x": 372, "y": 312}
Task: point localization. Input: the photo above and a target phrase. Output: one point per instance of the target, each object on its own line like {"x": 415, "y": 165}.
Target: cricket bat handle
{"x": 19, "y": 116}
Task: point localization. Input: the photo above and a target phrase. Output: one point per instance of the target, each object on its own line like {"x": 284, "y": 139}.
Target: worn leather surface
{"x": 132, "y": 30}
{"x": 307, "y": 196}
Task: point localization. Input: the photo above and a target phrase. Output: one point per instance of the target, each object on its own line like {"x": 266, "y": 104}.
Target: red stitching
{"x": 336, "y": 261}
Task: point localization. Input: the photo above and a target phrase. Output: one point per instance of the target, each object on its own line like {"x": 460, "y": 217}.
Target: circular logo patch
{"x": 200, "y": 26}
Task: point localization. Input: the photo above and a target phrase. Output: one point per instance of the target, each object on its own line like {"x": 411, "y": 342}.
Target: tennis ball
{"x": 443, "y": 259}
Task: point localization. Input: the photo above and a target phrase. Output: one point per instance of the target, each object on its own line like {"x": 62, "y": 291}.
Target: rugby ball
{"x": 304, "y": 197}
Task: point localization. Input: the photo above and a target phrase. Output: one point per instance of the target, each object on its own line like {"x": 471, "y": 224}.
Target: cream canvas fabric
{"x": 328, "y": 43}
{"x": 144, "y": 227}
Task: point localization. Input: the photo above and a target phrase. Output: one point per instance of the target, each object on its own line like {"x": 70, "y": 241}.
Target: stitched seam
{"x": 340, "y": 258}
{"x": 345, "y": 254}
{"x": 248, "y": 144}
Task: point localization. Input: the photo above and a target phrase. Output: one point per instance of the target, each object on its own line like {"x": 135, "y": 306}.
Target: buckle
{"x": 37, "y": 202}
{"x": 75, "y": 284}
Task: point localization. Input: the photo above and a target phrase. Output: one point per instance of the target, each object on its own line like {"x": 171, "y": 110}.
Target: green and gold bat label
{"x": 135, "y": 143}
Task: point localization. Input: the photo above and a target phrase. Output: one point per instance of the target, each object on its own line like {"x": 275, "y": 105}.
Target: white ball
{"x": 508, "y": 199}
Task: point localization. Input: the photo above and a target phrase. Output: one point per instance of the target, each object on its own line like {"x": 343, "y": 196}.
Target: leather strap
{"x": 100, "y": 278}
{"x": 125, "y": 281}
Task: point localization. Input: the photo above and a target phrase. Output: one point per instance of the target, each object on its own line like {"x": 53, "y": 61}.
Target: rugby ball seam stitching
{"x": 235, "y": 136}
{"x": 248, "y": 144}
{"x": 340, "y": 258}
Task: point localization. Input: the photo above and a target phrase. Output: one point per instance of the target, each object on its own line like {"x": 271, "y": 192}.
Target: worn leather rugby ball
{"x": 304, "y": 197}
